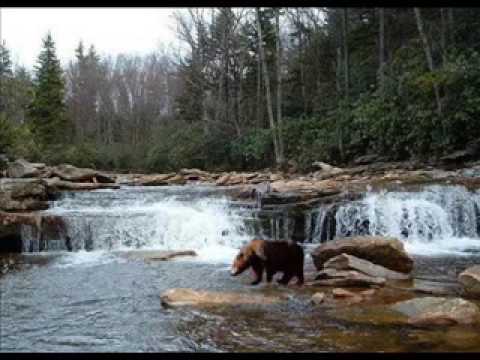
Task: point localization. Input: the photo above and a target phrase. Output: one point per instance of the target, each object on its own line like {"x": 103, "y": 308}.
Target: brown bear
{"x": 273, "y": 256}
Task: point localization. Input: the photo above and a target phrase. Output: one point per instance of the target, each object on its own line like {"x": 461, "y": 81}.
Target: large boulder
{"x": 21, "y": 168}
{"x": 470, "y": 279}
{"x": 23, "y": 194}
{"x": 438, "y": 311}
{"x": 350, "y": 262}
{"x": 189, "y": 297}
{"x": 384, "y": 251}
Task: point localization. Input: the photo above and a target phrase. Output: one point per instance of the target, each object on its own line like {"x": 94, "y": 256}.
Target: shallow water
{"x": 54, "y": 302}
{"x": 97, "y": 299}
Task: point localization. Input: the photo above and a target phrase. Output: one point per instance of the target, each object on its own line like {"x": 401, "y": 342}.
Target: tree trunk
{"x": 443, "y": 34}
{"x": 428, "y": 54}
{"x": 267, "y": 89}
{"x": 339, "y": 92}
{"x": 346, "y": 56}
{"x": 302, "y": 65}
{"x": 451, "y": 28}
{"x": 259, "y": 90}
{"x": 381, "y": 58}
{"x": 281, "y": 159}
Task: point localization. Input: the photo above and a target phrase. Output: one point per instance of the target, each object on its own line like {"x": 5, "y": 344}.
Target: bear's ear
{"x": 259, "y": 250}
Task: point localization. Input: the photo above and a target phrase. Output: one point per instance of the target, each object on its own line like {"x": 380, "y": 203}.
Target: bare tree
{"x": 428, "y": 55}
{"x": 381, "y": 55}
{"x": 267, "y": 89}
{"x": 281, "y": 159}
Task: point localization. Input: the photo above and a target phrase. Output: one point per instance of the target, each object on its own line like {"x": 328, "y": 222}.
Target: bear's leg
{"x": 300, "y": 277}
{"x": 270, "y": 274}
{"x": 258, "y": 270}
{"x": 287, "y": 276}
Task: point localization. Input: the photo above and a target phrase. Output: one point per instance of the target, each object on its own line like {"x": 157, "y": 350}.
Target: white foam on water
{"x": 86, "y": 258}
{"x": 439, "y": 220}
{"x": 209, "y": 226}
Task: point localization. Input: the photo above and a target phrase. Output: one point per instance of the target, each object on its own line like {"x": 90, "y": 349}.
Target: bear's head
{"x": 253, "y": 251}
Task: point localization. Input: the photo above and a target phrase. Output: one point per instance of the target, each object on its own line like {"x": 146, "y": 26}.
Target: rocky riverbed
{"x": 361, "y": 293}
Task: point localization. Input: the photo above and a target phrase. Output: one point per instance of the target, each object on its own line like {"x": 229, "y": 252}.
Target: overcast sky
{"x": 111, "y": 30}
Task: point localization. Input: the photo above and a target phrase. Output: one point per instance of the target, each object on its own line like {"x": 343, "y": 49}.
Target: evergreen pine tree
{"x": 5, "y": 75}
{"x": 48, "y": 108}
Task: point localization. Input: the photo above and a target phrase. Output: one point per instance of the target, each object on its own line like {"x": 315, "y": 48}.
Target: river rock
{"x": 332, "y": 277}
{"x": 438, "y": 311}
{"x": 318, "y": 298}
{"x": 153, "y": 180}
{"x": 160, "y": 255}
{"x": 470, "y": 279}
{"x": 346, "y": 294}
{"x": 54, "y": 184}
{"x": 384, "y": 251}
{"x": 176, "y": 180}
{"x": 71, "y": 173}
{"x": 9, "y": 218}
{"x": 195, "y": 174}
{"x": 189, "y": 297}
{"x": 22, "y": 194}
{"x": 350, "y": 262}
{"x": 21, "y": 168}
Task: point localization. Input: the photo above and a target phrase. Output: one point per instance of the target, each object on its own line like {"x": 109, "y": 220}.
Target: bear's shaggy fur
{"x": 273, "y": 256}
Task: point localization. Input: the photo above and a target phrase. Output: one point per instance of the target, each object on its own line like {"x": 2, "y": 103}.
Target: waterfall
{"x": 437, "y": 220}
{"x": 149, "y": 219}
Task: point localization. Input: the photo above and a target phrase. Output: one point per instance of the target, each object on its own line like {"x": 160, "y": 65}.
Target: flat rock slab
{"x": 387, "y": 252}
{"x": 55, "y": 184}
{"x": 332, "y": 277}
{"x": 438, "y": 311}
{"x": 350, "y": 262}
{"x": 160, "y": 255}
{"x": 470, "y": 279}
{"x": 188, "y": 297}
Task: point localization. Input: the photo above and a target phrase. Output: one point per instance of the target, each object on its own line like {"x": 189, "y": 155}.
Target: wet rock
{"x": 21, "y": 168}
{"x": 189, "y": 297}
{"x": 195, "y": 174}
{"x": 324, "y": 170}
{"x": 323, "y": 187}
{"x": 153, "y": 180}
{"x": 177, "y": 180}
{"x": 470, "y": 279}
{"x": 350, "y": 262}
{"x": 332, "y": 277}
{"x": 438, "y": 311}
{"x": 71, "y": 173}
{"x": 318, "y": 298}
{"x": 7, "y": 218}
{"x": 384, "y": 251}
{"x": 160, "y": 255}
{"x": 346, "y": 294}
{"x": 22, "y": 194}
{"x": 55, "y": 184}
{"x": 368, "y": 293}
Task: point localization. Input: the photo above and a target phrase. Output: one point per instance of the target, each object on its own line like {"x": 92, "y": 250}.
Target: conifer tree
{"x": 47, "y": 110}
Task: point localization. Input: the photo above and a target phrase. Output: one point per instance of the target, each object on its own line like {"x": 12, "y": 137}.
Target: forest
{"x": 255, "y": 88}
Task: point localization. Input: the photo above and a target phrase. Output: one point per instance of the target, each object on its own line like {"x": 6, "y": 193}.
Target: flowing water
{"x": 94, "y": 298}
{"x": 437, "y": 220}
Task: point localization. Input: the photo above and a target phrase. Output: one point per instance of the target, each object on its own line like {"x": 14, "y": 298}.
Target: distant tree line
{"x": 255, "y": 88}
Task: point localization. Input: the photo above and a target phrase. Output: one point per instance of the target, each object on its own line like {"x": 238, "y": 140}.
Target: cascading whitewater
{"x": 160, "y": 219}
{"x": 439, "y": 219}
